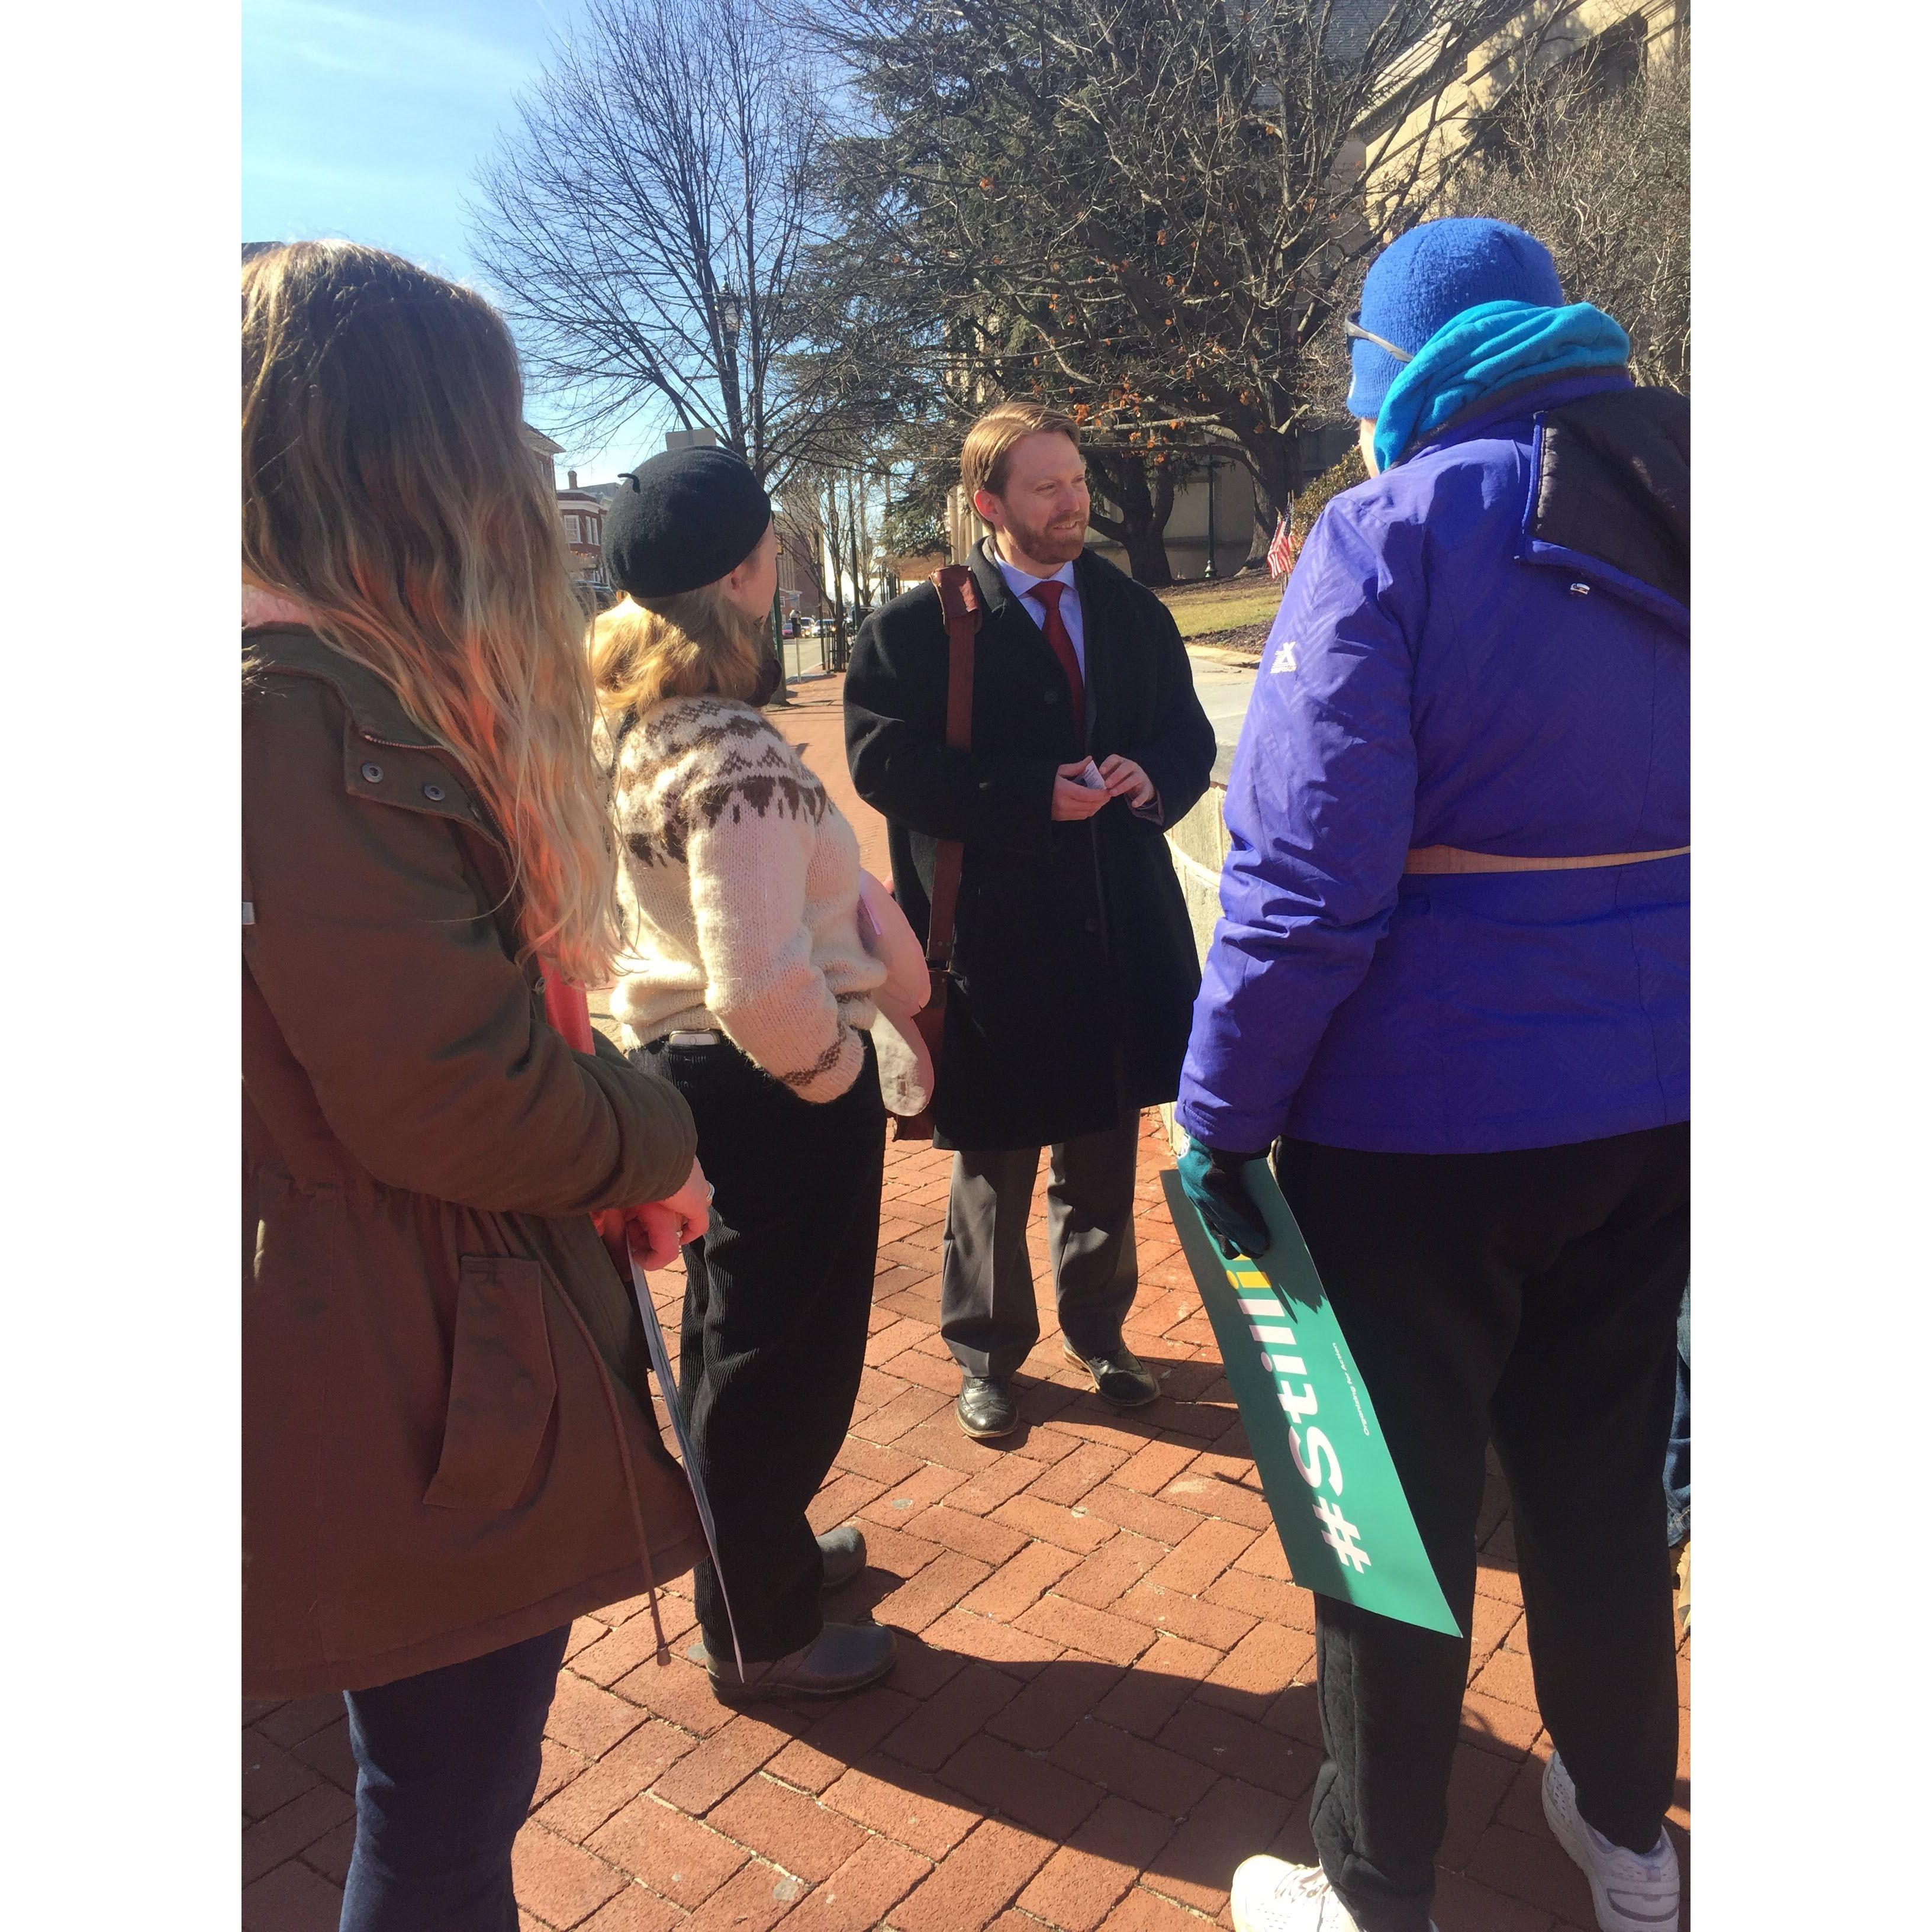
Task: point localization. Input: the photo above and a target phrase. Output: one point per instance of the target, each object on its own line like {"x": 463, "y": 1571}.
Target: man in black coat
{"x": 1075, "y": 964}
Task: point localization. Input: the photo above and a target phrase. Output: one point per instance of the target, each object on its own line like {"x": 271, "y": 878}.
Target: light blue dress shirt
{"x": 1019, "y": 581}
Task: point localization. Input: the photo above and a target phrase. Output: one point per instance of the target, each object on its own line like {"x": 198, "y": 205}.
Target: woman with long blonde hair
{"x": 748, "y": 985}
{"x": 449, "y": 1447}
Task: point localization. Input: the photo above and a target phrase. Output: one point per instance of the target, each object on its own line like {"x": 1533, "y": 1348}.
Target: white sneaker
{"x": 1271, "y": 1895}
{"x": 1633, "y": 1892}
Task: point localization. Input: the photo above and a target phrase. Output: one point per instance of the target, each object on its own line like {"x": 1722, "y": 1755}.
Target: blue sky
{"x": 368, "y": 120}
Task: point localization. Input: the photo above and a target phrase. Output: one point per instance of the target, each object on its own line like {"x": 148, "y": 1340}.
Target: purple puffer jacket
{"x": 1445, "y": 672}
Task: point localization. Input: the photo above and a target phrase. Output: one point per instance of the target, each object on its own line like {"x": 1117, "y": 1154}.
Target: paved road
{"x": 804, "y": 656}
{"x": 1224, "y": 690}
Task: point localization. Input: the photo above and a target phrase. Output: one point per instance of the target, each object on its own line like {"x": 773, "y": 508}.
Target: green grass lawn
{"x": 1201, "y": 609}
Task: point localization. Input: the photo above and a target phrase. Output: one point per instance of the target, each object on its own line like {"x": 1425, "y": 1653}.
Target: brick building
{"x": 583, "y": 516}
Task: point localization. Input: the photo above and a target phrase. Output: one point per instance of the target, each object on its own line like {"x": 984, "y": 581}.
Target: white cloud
{"x": 370, "y": 47}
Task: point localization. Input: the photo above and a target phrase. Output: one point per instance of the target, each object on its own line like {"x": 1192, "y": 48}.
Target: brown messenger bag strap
{"x": 959, "y": 599}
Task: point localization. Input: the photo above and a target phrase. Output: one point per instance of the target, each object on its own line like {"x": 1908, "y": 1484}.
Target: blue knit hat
{"x": 1432, "y": 273}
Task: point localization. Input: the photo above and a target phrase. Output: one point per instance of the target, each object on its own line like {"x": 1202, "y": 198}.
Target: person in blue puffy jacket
{"x": 1450, "y": 987}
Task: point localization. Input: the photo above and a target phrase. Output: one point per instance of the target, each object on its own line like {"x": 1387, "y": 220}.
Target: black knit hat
{"x": 685, "y": 518}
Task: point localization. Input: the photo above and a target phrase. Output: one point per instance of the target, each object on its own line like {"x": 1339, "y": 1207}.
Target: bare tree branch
{"x": 1151, "y": 212}
{"x": 669, "y": 153}
{"x": 1594, "y": 157}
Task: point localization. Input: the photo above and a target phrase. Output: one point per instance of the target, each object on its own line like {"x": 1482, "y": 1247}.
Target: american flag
{"x": 1281, "y": 552}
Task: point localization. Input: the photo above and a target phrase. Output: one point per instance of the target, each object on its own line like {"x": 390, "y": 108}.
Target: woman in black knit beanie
{"x": 750, "y": 988}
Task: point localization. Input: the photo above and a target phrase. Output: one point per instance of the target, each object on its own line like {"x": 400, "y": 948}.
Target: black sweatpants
{"x": 778, "y": 1295}
{"x": 1529, "y": 1298}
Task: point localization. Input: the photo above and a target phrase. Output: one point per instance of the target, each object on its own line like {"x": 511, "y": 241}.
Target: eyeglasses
{"x": 1353, "y": 327}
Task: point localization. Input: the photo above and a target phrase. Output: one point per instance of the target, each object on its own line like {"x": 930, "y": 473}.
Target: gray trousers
{"x": 987, "y": 1313}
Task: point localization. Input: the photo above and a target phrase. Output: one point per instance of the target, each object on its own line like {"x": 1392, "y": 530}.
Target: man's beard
{"x": 1043, "y": 544}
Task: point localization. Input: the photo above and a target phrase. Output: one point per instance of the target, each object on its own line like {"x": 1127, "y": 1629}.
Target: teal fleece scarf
{"x": 1493, "y": 347}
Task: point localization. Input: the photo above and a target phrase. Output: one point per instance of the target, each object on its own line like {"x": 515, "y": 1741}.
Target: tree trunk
{"x": 1274, "y": 458}
{"x": 867, "y": 548}
{"x": 1147, "y": 559}
{"x": 860, "y": 601}
{"x": 841, "y": 645}
{"x": 1141, "y": 529}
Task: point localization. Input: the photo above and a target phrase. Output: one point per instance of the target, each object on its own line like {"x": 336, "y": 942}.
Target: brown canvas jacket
{"x": 448, "y": 1444}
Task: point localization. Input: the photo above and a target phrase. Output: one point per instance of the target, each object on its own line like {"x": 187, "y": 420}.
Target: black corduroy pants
{"x": 777, "y": 1297}
{"x": 1529, "y": 1297}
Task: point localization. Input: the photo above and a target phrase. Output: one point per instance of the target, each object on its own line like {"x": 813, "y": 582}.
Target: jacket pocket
{"x": 502, "y": 1386}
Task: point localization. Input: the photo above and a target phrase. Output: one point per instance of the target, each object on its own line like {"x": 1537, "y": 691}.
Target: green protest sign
{"x": 1331, "y": 1487}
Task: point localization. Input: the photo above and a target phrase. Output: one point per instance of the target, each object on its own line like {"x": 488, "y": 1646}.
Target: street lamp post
{"x": 1210, "y": 571}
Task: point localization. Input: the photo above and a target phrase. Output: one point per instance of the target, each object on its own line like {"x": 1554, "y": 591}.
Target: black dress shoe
{"x": 985, "y": 1407}
{"x": 1119, "y": 1376}
{"x": 844, "y": 1550}
{"x": 841, "y": 1659}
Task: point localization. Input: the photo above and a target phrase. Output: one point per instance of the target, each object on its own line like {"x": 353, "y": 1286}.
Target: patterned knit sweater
{"x": 740, "y": 886}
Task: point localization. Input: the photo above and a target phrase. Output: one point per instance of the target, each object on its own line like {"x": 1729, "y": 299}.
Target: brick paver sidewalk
{"x": 1105, "y": 1697}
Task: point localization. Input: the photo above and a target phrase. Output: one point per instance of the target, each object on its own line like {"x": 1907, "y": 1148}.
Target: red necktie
{"x": 1047, "y": 591}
